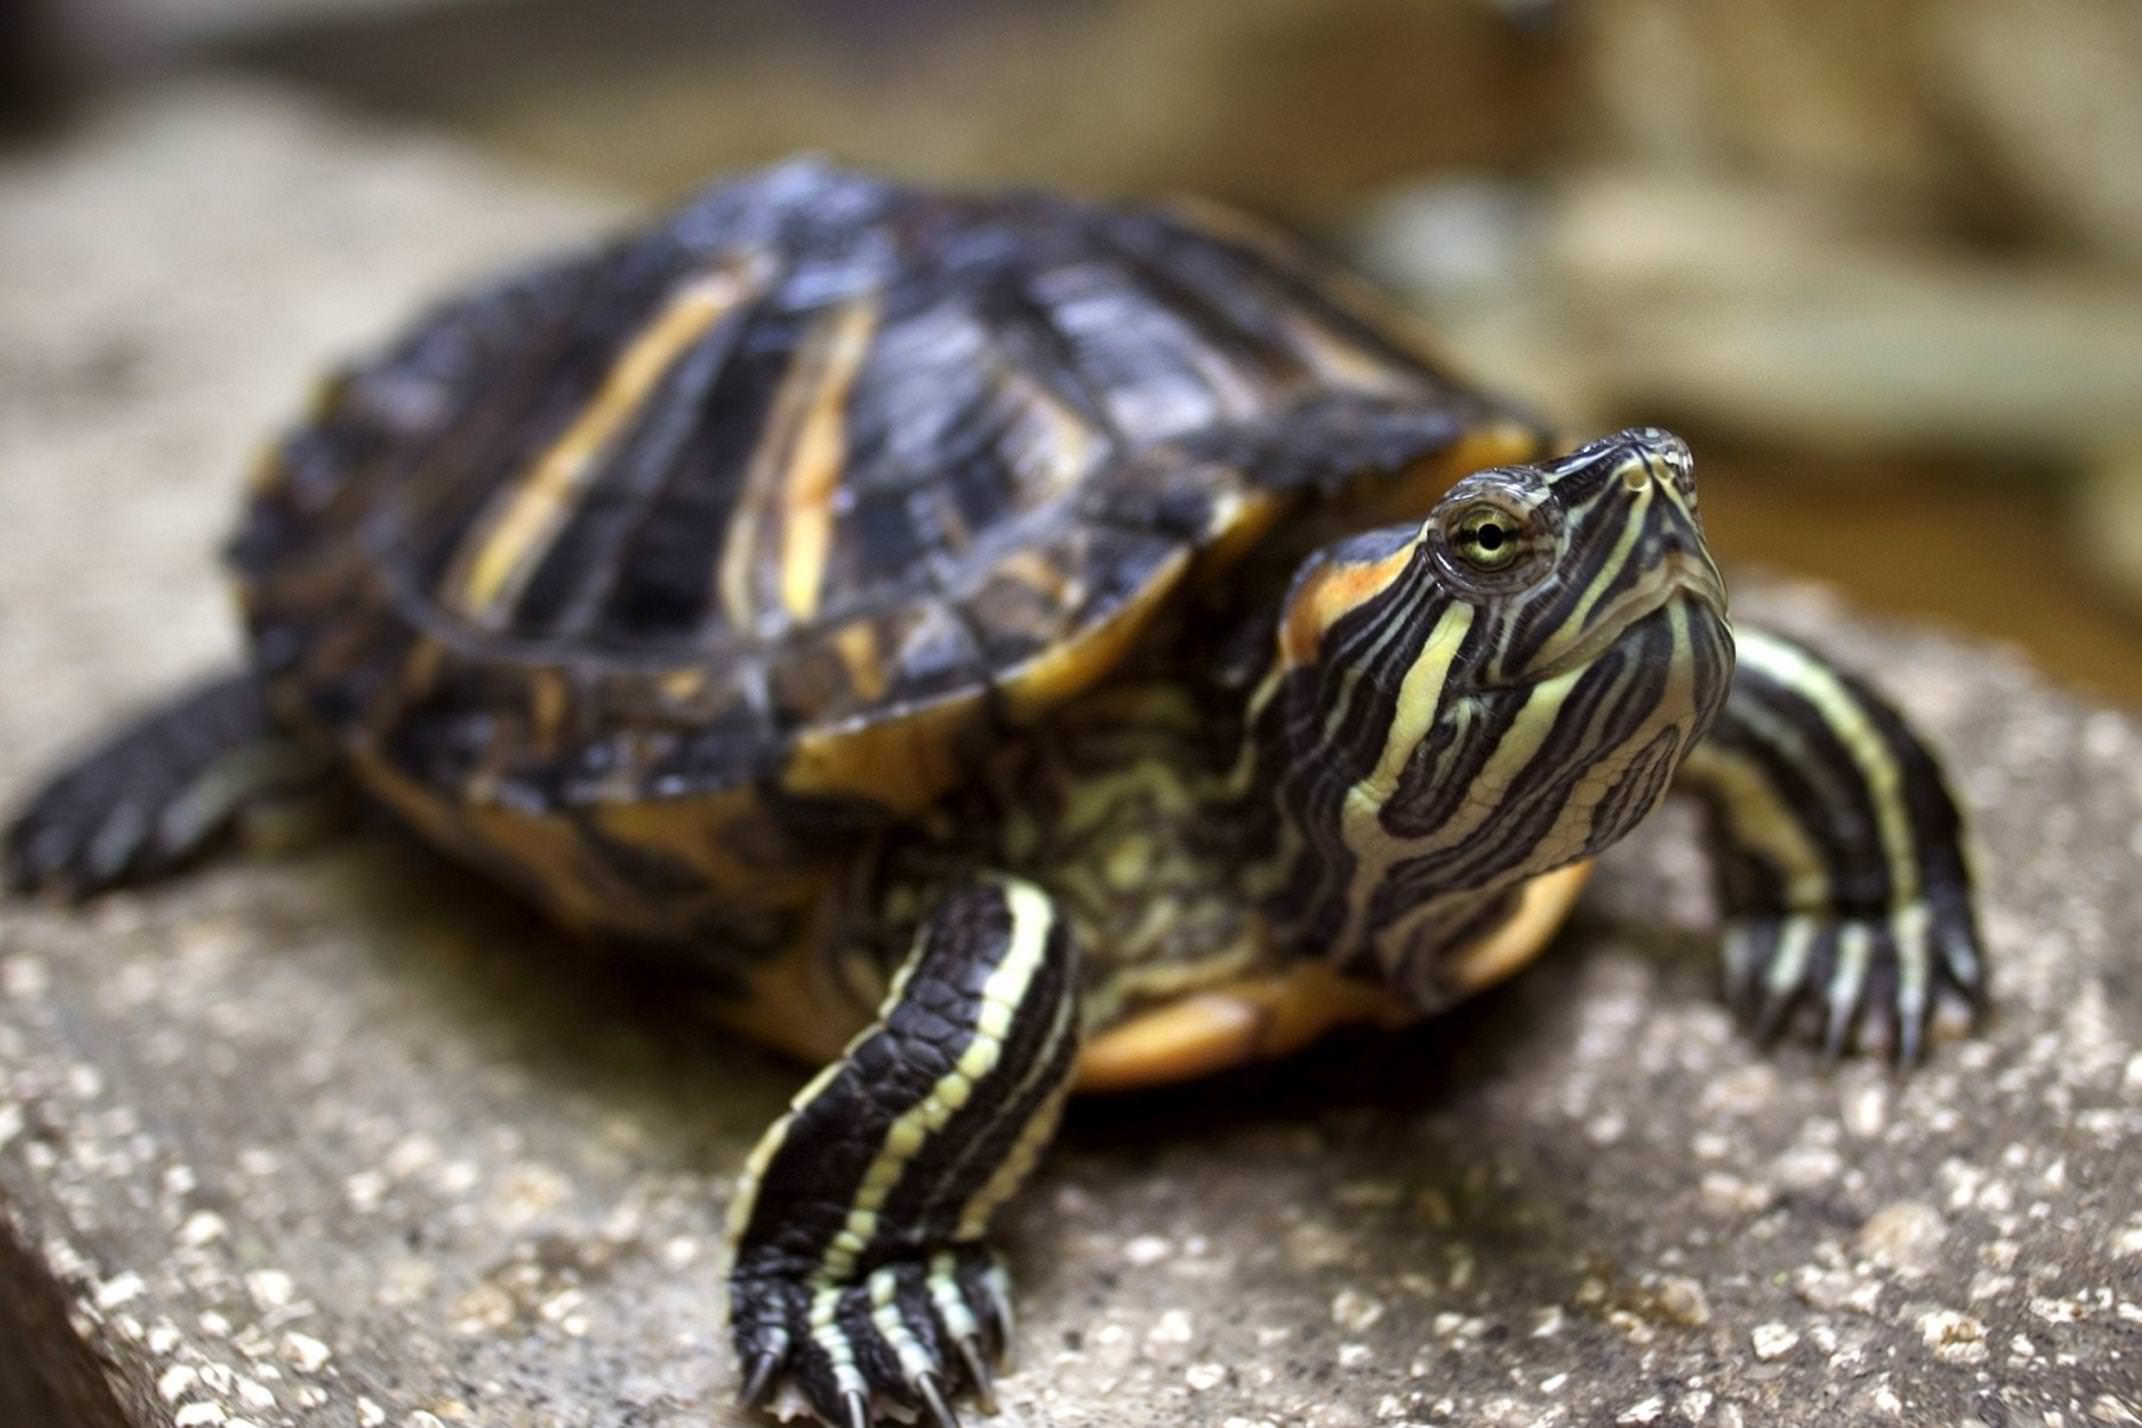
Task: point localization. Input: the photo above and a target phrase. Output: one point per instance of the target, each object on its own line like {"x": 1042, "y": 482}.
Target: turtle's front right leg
{"x": 860, "y": 1273}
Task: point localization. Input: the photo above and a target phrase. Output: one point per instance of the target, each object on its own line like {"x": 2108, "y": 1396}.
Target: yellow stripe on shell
{"x": 814, "y": 470}
{"x": 1069, "y": 447}
{"x": 788, "y": 474}
{"x": 856, "y": 643}
{"x": 523, "y": 517}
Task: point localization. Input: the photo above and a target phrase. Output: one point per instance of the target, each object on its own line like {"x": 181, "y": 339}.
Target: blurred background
{"x": 1880, "y": 259}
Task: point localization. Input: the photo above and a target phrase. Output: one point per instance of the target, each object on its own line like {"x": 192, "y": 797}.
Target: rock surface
{"x": 348, "y": 1139}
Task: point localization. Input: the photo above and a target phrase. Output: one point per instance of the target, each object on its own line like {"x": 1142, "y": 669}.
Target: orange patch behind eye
{"x": 1405, "y": 496}
{"x": 1327, "y": 594}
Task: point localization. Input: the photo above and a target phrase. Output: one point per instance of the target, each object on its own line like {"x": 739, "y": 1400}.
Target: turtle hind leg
{"x": 861, "y": 1276}
{"x": 159, "y": 793}
{"x": 1840, "y": 856}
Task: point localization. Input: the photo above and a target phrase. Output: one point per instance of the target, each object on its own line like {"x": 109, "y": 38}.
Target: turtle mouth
{"x": 1680, "y": 575}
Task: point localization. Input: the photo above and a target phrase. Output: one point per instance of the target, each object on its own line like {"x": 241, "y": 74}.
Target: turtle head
{"x": 1501, "y": 690}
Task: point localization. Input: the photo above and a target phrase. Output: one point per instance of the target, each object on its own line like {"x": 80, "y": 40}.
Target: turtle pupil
{"x": 1486, "y": 538}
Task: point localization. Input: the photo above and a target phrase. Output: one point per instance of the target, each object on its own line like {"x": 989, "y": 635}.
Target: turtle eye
{"x": 1486, "y": 536}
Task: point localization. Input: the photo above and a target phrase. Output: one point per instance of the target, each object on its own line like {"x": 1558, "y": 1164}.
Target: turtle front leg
{"x": 860, "y": 1273}
{"x": 161, "y": 791}
{"x": 1839, "y": 853}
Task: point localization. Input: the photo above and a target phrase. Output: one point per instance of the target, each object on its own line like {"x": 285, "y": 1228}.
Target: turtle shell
{"x": 769, "y": 518}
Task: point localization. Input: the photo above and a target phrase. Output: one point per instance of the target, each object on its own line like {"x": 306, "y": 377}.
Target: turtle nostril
{"x": 1636, "y": 475}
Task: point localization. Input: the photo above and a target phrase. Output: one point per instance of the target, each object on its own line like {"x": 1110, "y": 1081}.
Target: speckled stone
{"x": 349, "y": 1140}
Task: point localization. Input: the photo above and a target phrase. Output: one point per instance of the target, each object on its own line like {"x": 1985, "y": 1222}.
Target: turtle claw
{"x": 1771, "y": 1013}
{"x": 979, "y": 1374}
{"x": 904, "y": 1337}
{"x": 1874, "y": 980}
{"x": 1002, "y": 1324}
{"x": 933, "y": 1396}
{"x": 1837, "y": 1032}
{"x": 759, "y": 1379}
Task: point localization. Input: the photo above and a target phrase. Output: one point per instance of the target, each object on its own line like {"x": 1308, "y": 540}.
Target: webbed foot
{"x": 1858, "y": 983}
{"x": 913, "y": 1333}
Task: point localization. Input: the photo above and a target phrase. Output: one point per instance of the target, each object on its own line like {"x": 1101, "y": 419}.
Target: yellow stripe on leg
{"x": 1032, "y": 920}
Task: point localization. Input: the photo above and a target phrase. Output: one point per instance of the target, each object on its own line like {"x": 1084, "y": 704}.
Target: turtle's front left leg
{"x": 860, "y": 1273}
{"x": 1839, "y": 851}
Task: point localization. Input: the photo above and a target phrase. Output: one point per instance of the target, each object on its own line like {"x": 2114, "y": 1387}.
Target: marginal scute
{"x": 1410, "y": 493}
{"x": 902, "y": 762}
{"x": 533, "y": 853}
{"x": 726, "y": 838}
{"x": 1119, "y": 586}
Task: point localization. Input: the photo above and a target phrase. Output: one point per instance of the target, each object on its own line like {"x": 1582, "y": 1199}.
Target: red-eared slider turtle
{"x": 1013, "y": 644}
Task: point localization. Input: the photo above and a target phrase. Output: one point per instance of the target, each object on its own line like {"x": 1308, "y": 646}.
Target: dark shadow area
{"x": 48, "y": 1377}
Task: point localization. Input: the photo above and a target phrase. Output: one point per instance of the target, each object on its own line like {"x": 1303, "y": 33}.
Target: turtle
{"x": 1008, "y": 644}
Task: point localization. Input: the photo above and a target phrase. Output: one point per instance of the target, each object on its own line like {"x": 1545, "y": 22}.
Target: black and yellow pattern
{"x": 860, "y": 1270}
{"x": 1839, "y": 852}
{"x": 1013, "y": 645}
{"x": 1447, "y": 721}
